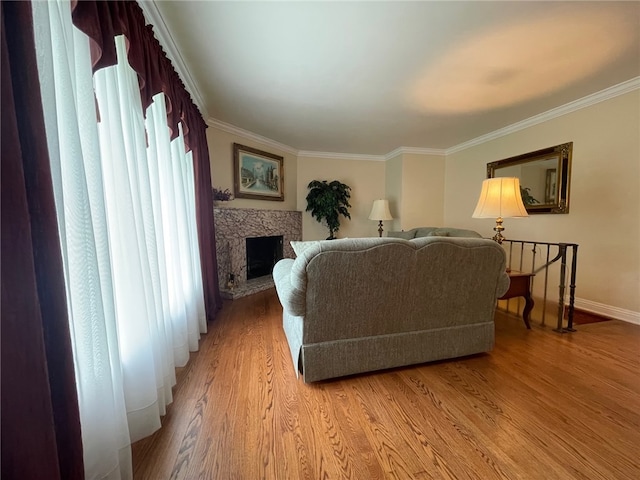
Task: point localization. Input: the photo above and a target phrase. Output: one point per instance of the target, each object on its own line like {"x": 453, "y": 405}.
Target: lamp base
{"x": 380, "y": 229}
{"x": 498, "y": 237}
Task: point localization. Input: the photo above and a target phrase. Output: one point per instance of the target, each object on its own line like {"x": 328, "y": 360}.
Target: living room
{"x": 432, "y": 178}
{"x": 435, "y": 180}
{"x": 442, "y": 188}
{"x": 541, "y": 404}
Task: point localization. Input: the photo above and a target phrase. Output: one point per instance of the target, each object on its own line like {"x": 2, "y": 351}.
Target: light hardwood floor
{"x": 540, "y": 406}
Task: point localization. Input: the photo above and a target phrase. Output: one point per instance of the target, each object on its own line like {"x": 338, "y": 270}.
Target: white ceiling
{"x": 369, "y": 77}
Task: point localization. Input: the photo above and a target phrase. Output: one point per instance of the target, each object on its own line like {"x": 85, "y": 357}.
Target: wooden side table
{"x": 521, "y": 287}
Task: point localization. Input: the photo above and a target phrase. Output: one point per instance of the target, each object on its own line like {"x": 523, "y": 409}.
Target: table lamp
{"x": 500, "y": 198}
{"x": 380, "y": 212}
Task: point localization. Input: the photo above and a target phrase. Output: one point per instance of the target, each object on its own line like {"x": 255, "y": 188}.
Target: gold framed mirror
{"x": 544, "y": 177}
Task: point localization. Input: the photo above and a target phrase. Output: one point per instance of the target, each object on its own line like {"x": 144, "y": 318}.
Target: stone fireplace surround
{"x": 233, "y": 226}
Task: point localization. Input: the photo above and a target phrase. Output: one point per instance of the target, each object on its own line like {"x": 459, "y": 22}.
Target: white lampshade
{"x": 380, "y": 210}
{"x": 500, "y": 197}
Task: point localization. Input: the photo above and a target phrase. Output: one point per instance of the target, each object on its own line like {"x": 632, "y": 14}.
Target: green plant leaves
{"x": 327, "y": 201}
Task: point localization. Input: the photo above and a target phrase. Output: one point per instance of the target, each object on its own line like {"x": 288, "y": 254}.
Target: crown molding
{"x": 415, "y": 151}
{"x": 240, "y": 132}
{"x": 227, "y": 127}
{"x": 154, "y": 17}
{"x": 601, "y": 96}
{"x": 342, "y": 156}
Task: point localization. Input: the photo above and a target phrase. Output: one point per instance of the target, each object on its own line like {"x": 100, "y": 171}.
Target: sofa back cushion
{"x": 408, "y": 235}
{"x": 377, "y": 286}
{"x": 452, "y": 232}
{"x": 434, "y": 232}
{"x": 425, "y": 231}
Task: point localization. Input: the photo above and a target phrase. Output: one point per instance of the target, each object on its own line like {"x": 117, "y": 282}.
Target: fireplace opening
{"x": 262, "y": 255}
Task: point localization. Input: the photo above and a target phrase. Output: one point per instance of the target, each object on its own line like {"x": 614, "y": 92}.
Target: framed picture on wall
{"x": 257, "y": 174}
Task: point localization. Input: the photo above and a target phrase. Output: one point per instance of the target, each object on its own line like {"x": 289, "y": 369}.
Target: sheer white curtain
{"x": 127, "y": 228}
{"x": 70, "y": 118}
{"x": 160, "y": 234}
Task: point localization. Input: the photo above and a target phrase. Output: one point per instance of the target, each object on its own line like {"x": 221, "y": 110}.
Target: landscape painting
{"x": 257, "y": 174}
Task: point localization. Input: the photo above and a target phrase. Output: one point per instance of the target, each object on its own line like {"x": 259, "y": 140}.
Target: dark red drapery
{"x": 102, "y": 21}
{"x": 40, "y": 426}
{"x": 40, "y": 419}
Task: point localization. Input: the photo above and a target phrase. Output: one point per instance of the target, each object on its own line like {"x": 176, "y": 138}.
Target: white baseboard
{"x": 607, "y": 310}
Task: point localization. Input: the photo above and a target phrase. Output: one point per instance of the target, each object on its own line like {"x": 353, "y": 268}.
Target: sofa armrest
{"x": 503, "y": 285}
{"x": 292, "y": 299}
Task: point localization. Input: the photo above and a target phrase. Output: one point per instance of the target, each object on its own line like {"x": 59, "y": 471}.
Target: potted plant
{"x": 327, "y": 201}
{"x": 527, "y": 198}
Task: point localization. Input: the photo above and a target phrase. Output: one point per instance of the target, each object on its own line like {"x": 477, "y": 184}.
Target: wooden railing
{"x": 548, "y": 258}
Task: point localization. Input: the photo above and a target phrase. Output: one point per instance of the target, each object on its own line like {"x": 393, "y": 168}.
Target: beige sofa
{"x": 359, "y": 305}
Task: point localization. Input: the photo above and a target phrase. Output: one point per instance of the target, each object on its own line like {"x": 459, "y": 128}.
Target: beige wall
{"x": 221, "y": 153}
{"x": 604, "y": 216}
{"x": 431, "y": 190}
{"x": 423, "y": 191}
{"x": 415, "y": 188}
{"x": 367, "y": 181}
{"x": 393, "y": 191}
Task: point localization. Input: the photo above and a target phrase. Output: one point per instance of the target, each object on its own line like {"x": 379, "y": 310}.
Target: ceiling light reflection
{"x": 520, "y": 62}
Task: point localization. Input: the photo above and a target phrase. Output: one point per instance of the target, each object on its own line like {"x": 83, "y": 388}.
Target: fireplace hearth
{"x": 233, "y": 227}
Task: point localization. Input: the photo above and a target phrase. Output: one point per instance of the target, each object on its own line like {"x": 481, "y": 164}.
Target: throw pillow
{"x": 438, "y": 233}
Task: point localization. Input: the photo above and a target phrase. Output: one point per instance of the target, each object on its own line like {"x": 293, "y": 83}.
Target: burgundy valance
{"x": 102, "y": 21}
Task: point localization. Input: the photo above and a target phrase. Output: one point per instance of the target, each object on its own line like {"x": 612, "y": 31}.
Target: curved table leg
{"x": 527, "y": 310}
{"x": 520, "y": 286}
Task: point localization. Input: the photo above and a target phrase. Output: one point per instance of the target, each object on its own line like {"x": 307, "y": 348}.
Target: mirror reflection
{"x": 544, "y": 177}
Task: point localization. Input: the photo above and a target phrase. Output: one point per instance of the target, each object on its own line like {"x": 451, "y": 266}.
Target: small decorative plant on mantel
{"x": 327, "y": 201}
{"x": 222, "y": 195}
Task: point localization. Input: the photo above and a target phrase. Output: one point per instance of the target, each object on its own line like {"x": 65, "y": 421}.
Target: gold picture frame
{"x": 257, "y": 174}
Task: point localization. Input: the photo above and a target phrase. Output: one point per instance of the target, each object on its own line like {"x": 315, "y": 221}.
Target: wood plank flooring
{"x": 540, "y": 406}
